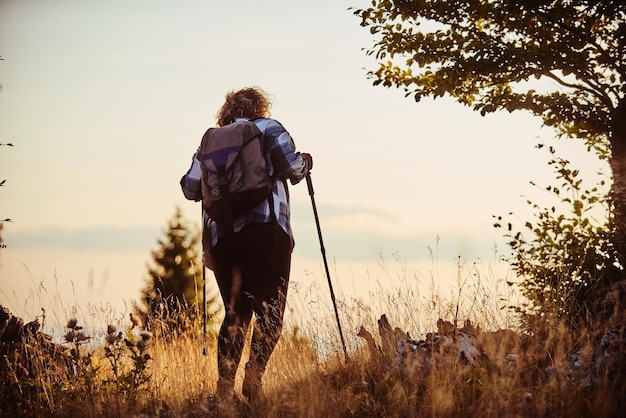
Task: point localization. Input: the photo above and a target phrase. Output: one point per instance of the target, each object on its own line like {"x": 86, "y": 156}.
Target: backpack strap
{"x": 226, "y": 206}
{"x": 270, "y": 196}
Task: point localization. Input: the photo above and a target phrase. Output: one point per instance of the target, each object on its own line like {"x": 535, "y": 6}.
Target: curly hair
{"x": 249, "y": 102}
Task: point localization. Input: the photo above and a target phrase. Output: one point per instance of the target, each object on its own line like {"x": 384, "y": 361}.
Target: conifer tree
{"x": 175, "y": 279}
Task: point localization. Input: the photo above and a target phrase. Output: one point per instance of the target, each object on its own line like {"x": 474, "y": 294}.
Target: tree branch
{"x": 581, "y": 35}
{"x": 599, "y": 94}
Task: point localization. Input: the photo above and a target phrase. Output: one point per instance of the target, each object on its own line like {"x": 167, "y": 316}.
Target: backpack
{"x": 235, "y": 177}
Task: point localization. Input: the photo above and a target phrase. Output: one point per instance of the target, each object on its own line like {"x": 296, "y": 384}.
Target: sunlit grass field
{"x": 100, "y": 364}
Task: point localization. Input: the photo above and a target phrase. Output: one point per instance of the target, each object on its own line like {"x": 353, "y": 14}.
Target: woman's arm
{"x": 191, "y": 181}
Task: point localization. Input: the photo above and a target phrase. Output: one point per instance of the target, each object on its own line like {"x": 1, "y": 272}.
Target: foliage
{"x": 26, "y": 356}
{"x": 43, "y": 378}
{"x": 479, "y": 51}
{"x": 515, "y": 375}
{"x": 562, "y": 61}
{"x": 2, "y": 183}
{"x": 127, "y": 373}
{"x": 128, "y": 360}
{"x": 566, "y": 262}
{"x": 175, "y": 274}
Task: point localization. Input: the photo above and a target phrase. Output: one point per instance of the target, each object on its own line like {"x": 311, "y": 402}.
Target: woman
{"x": 252, "y": 265}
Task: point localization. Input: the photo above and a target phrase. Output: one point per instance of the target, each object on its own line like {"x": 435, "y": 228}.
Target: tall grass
{"x": 519, "y": 374}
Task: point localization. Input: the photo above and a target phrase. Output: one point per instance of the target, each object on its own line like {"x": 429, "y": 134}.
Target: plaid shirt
{"x": 284, "y": 164}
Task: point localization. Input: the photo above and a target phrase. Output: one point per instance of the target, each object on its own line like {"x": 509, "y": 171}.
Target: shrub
{"x": 567, "y": 261}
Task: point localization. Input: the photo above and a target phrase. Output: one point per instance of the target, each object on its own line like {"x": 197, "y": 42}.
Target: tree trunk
{"x": 618, "y": 167}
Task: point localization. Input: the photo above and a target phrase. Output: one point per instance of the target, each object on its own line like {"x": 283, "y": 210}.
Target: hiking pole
{"x": 203, "y": 310}
{"x": 330, "y": 285}
{"x": 203, "y": 288}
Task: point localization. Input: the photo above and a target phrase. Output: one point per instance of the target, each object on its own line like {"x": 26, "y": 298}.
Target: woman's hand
{"x": 308, "y": 159}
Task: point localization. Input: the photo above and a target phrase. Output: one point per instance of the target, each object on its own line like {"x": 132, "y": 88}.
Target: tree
{"x": 568, "y": 260}
{"x": 175, "y": 276}
{"x": 2, "y": 183}
{"x": 484, "y": 54}
{"x": 2, "y": 221}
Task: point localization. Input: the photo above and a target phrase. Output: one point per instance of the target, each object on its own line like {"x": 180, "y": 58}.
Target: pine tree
{"x": 175, "y": 279}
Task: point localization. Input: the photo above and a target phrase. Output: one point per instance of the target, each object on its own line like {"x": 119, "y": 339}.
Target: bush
{"x": 568, "y": 261}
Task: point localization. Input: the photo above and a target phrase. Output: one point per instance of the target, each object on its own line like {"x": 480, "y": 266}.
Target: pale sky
{"x": 105, "y": 102}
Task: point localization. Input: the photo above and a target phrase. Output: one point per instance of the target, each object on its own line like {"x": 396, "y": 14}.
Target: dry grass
{"x": 518, "y": 375}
